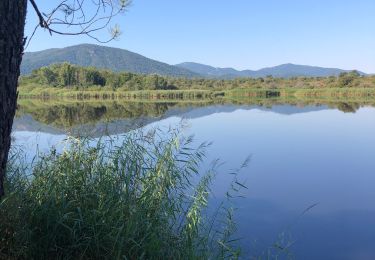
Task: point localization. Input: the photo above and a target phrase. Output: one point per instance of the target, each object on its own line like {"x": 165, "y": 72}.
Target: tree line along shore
{"x": 69, "y": 80}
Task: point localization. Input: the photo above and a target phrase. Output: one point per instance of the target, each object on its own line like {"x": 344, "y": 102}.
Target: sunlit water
{"x": 311, "y": 179}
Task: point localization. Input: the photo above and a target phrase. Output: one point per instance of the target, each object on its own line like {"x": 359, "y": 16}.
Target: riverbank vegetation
{"x": 87, "y": 82}
{"x": 137, "y": 197}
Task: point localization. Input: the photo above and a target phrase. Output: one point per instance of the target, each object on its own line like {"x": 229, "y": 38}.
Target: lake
{"x": 310, "y": 180}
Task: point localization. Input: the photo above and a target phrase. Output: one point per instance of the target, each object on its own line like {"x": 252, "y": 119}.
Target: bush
{"x": 128, "y": 199}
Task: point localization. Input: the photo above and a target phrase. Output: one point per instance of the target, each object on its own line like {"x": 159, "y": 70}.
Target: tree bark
{"x": 12, "y": 23}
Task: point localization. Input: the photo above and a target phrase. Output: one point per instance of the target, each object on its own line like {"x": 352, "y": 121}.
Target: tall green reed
{"x": 140, "y": 197}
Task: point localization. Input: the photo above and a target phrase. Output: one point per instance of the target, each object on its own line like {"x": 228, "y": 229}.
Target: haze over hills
{"x": 116, "y": 59}
{"x": 281, "y": 71}
{"x": 101, "y": 57}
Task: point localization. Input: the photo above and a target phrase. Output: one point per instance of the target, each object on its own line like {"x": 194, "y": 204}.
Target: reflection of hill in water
{"x": 90, "y": 118}
{"x": 114, "y": 117}
{"x": 28, "y": 123}
{"x": 279, "y": 109}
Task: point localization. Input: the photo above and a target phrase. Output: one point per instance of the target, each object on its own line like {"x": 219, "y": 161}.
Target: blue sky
{"x": 244, "y": 34}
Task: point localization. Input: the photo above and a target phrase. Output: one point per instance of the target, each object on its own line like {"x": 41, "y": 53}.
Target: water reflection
{"x": 80, "y": 116}
{"x": 303, "y": 153}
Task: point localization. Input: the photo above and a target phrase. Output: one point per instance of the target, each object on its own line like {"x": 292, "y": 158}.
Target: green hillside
{"x": 113, "y": 59}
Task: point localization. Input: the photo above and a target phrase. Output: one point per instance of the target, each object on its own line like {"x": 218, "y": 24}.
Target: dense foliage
{"x": 76, "y": 77}
{"x": 67, "y": 75}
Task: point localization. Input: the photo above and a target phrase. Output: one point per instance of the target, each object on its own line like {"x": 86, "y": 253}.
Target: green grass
{"x": 32, "y": 90}
{"x": 304, "y": 93}
{"x": 134, "y": 199}
{"x": 40, "y": 91}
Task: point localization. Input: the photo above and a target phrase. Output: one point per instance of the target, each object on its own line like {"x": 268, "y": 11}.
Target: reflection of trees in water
{"x": 348, "y": 107}
{"x": 72, "y": 113}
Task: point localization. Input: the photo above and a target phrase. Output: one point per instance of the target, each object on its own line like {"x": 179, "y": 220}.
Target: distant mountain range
{"x": 281, "y": 71}
{"x": 116, "y": 59}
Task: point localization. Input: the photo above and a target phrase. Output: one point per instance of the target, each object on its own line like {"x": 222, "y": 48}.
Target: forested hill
{"x": 282, "y": 71}
{"x": 101, "y": 57}
{"x": 119, "y": 60}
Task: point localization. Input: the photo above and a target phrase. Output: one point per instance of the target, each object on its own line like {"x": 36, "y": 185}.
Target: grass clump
{"x": 140, "y": 197}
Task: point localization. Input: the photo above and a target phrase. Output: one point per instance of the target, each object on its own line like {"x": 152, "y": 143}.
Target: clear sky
{"x": 244, "y": 34}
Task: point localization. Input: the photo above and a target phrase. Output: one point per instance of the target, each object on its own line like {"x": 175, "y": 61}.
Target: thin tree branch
{"x": 75, "y": 17}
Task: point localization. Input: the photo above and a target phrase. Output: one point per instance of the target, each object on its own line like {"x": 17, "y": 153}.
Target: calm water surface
{"x": 311, "y": 180}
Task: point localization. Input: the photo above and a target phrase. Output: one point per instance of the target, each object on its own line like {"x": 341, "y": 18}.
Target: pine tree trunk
{"x": 12, "y": 23}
